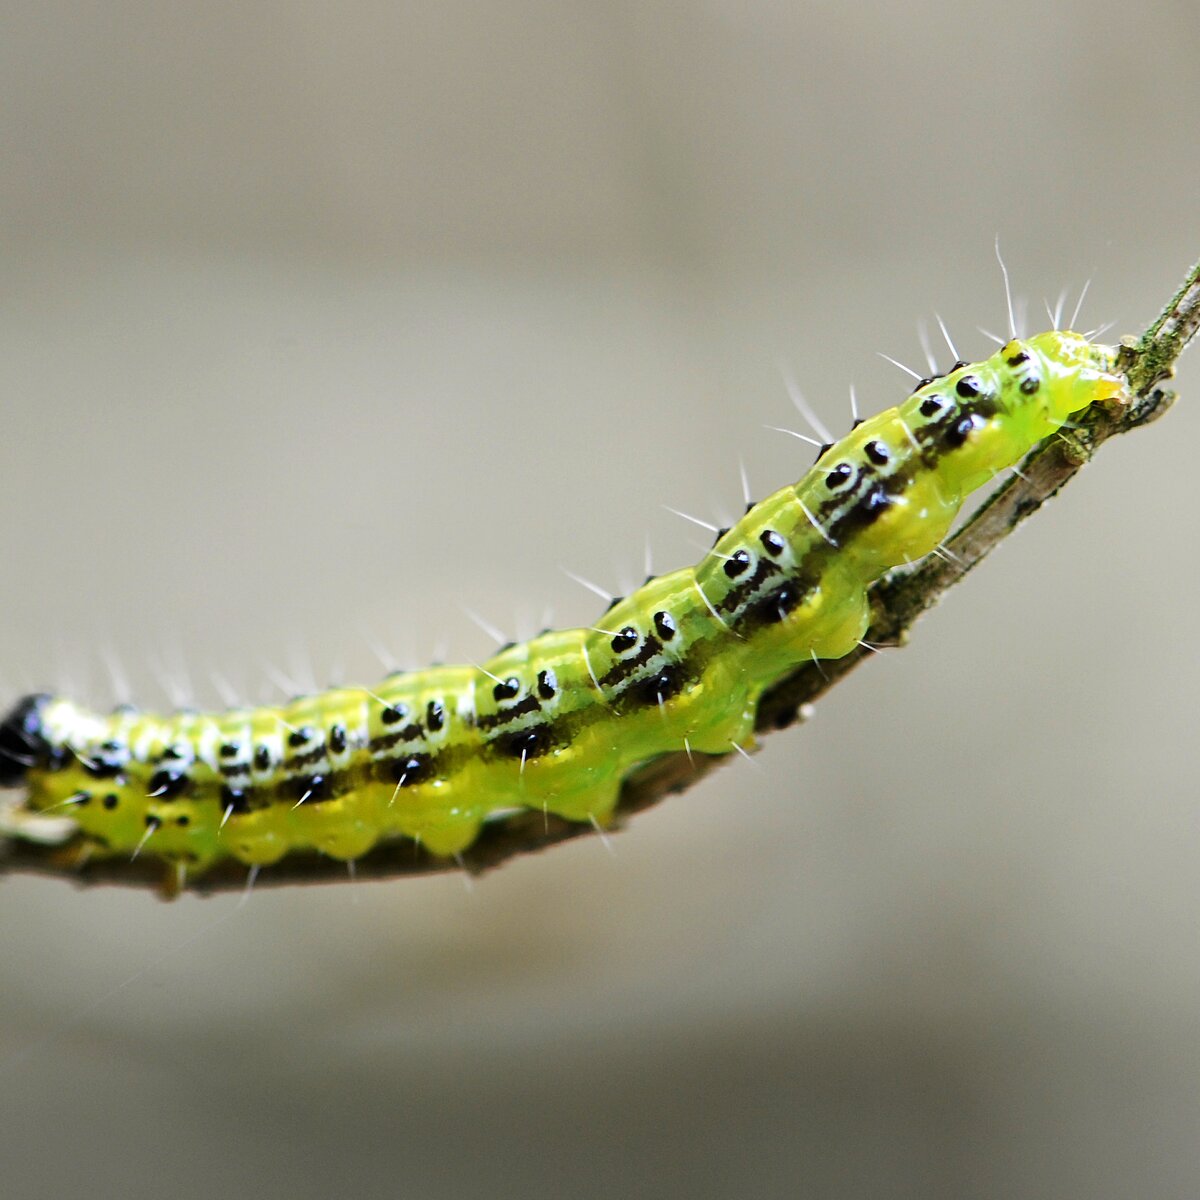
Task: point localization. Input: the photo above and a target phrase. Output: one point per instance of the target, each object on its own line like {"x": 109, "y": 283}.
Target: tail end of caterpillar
{"x": 1085, "y": 373}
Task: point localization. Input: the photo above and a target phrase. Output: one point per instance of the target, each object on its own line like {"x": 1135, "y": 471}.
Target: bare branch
{"x": 898, "y": 600}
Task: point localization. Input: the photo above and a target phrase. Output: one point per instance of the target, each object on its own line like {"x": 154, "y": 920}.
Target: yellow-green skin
{"x": 681, "y": 663}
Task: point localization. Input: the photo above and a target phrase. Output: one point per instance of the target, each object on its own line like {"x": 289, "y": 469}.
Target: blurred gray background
{"x": 319, "y": 321}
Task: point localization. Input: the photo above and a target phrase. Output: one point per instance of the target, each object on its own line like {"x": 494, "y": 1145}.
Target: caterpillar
{"x": 557, "y": 723}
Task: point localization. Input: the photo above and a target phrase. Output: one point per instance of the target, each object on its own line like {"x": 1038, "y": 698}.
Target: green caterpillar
{"x": 556, "y": 723}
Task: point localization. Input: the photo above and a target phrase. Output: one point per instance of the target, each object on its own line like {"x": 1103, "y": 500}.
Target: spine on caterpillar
{"x": 556, "y": 723}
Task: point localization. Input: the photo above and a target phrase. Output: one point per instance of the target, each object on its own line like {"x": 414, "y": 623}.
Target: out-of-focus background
{"x": 319, "y": 321}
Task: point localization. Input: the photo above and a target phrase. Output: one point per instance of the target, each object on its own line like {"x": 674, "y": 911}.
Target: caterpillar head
{"x": 22, "y": 740}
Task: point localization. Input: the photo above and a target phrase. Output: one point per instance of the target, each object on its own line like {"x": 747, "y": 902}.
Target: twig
{"x": 898, "y": 600}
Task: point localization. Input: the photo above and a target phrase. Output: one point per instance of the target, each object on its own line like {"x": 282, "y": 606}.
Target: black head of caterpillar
{"x": 558, "y": 722}
{"x": 22, "y": 743}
